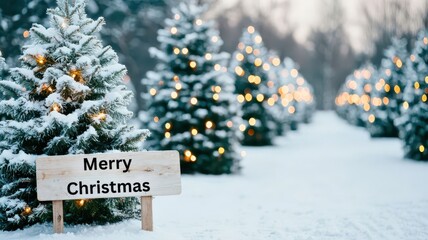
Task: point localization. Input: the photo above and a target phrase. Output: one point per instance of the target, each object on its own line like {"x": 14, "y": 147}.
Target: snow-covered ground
{"x": 329, "y": 180}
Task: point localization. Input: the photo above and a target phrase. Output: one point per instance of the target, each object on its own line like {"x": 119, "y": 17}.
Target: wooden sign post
{"x": 86, "y": 176}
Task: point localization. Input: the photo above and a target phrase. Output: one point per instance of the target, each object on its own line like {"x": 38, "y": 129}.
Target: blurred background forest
{"x": 327, "y": 38}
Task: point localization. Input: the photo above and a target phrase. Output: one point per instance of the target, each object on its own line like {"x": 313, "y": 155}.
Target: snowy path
{"x": 329, "y": 180}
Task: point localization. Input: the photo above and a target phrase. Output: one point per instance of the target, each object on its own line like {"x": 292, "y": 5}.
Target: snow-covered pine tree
{"x": 355, "y": 96}
{"x": 8, "y": 89}
{"x": 74, "y": 102}
{"x": 278, "y": 111}
{"x": 388, "y": 99}
{"x": 413, "y": 123}
{"x": 368, "y": 73}
{"x": 288, "y": 92}
{"x": 250, "y": 68}
{"x": 190, "y": 98}
{"x": 4, "y": 68}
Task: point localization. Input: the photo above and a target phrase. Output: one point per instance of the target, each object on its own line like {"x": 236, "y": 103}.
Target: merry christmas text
{"x": 106, "y": 164}
{"x": 74, "y": 188}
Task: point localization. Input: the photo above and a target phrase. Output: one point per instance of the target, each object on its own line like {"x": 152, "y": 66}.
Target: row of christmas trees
{"x": 391, "y": 101}
{"x": 204, "y": 108}
{"x": 68, "y": 97}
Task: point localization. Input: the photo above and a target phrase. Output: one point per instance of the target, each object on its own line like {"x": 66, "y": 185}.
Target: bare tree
{"x": 384, "y": 19}
{"x": 332, "y": 54}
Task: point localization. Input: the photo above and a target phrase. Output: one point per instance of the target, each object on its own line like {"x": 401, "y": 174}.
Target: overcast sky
{"x": 305, "y": 14}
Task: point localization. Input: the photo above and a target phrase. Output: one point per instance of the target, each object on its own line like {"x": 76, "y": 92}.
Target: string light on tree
{"x": 250, "y": 87}
{"x": 190, "y": 53}
{"x": 61, "y": 114}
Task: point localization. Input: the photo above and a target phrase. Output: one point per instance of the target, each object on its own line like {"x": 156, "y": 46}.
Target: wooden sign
{"x": 109, "y": 175}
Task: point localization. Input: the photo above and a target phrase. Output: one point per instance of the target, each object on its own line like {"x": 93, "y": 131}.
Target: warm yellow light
{"x": 27, "y": 210}
{"x": 399, "y": 63}
{"x": 425, "y": 40}
{"x": 152, "y": 91}
{"x": 387, "y": 88}
{"x": 385, "y": 100}
{"x": 194, "y": 131}
{"x": 352, "y": 84}
{"x": 209, "y": 124}
{"x": 100, "y": 116}
{"x": 424, "y": 98}
{"x": 257, "y": 80}
{"x": 258, "y": 39}
{"x": 371, "y": 118}
{"x": 367, "y": 88}
{"x": 40, "y": 59}
{"x": 174, "y": 95}
{"x": 193, "y": 100}
{"x": 241, "y": 45}
{"x": 258, "y": 62}
{"x": 174, "y": 30}
{"x": 176, "y": 78}
{"x": 216, "y": 96}
{"x": 26, "y": 34}
{"x": 167, "y": 135}
{"x": 405, "y": 105}
{"x": 187, "y": 153}
{"x": 416, "y": 85}
{"x": 250, "y": 29}
{"x": 248, "y": 97}
{"x": 217, "y": 67}
{"x": 300, "y": 81}
{"x": 426, "y": 79}
{"x": 178, "y": 86}
{"x": 81, "y": 202}
{"x": 185, "y": 51}
{"x": 208, "y": 56}
{"x": 250, "y": 78}
{"x": 240, "y": 98}
{"x": 156, "y": 119}
{"x": 294, "y": 72}
{"x": 260, "y": 97}
{"x": 421, "y": 148}
{"x": 248, "y": 49}
{"x": 229, "y": 124}
{"x": 271, "y": 101}
{"x": 221, "y": 150}
{"x": 266, "y": 66}
{"x": 291, "y": 109}
{"x": 47, "y": 88}
{"x": 193, "y": 158}
{"x": 276, "y": 61}
{"x": 239, "y": 57}
{"x": 284, "y": 102}
{"x": 242, "y": 127}
{"x": 55, "y": 107}
{"x": 176, "y": 51}
{"x": 217, "y": 89}
{"x": 397, "y": 89}
{"x": 168, "y": 126}
{"x": 239, "y": 71}
{"x": 252, "y": 121}
{"x": 192, "y": 64}
{"x": 366, "y": 107}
